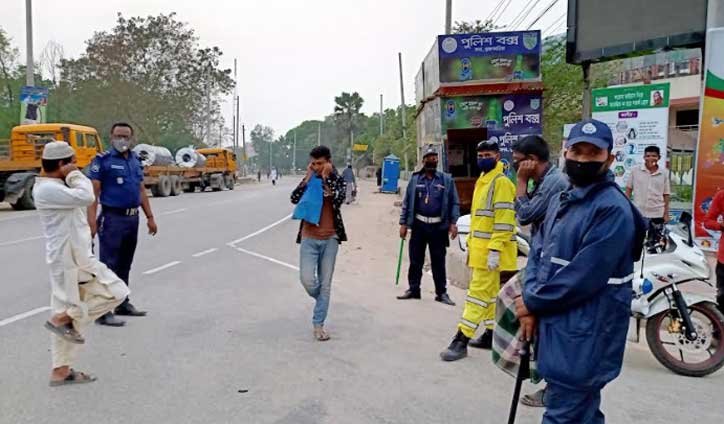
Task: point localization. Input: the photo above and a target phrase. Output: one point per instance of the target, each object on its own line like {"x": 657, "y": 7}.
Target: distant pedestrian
{"x": 378, "y": 175}
{"x": 117, "y": 176}
{"x": 430, "y": 209}
{"x": 531, "y": 161}
{"x": 649, "y": 188}
{"x": 320, "y": 241}
{"x": 349, "y": 179}
{"x": 578, "y": 281}
{"x": 492, "y": 249}
{"x": 82, "y": 288}
{"x": 274, "y": 176}
{"x": 258, "y": 176}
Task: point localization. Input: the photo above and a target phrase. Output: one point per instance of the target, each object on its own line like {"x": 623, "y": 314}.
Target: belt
{"x": 120, "y": 211}
{"x": 429, "y": 219}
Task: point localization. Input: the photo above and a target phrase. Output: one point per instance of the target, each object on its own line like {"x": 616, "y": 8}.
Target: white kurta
{"x": 62, "y": 210}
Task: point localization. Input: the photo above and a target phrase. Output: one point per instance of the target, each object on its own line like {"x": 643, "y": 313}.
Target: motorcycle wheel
{"x": 669, "y": 345}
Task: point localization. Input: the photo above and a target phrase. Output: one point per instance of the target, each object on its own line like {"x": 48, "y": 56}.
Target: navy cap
{"x": 429, "y": 150}
{"x": 591, "y": 131}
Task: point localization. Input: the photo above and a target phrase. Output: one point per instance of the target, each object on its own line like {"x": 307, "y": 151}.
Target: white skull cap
{"x": 57, "y": 150}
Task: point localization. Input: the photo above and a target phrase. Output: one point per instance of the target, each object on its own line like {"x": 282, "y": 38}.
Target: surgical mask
{"x": 430, "y": 166}
{"x": 121, "y": 144}
{"x": 583, "y": 174}
{"x": 486, "y": 164}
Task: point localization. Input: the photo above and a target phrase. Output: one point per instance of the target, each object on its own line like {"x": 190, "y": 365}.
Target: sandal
{"x": 320, "y": 334}
{"x": 66, "y": 331}
{"x": 535, "y": 400}
{"x": 75, "y": 377}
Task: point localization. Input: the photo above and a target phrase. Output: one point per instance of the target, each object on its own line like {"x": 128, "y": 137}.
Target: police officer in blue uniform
{"x": 431, "y": 209}
{"x": 578, "y": 280}
{"x": 117, "y": 177}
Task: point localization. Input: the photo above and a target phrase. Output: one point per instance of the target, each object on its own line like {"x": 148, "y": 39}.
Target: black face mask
{"x": 583, "y": 174}
{"x": 430, "y": 166}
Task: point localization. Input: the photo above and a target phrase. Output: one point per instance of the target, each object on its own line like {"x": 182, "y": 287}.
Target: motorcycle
{"x": 684, "y": 330}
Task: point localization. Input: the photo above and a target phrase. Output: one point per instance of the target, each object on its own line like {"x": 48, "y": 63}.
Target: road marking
{"x": 10, "y": 243}
{"x": 24, "y": 315}
{"x": 256, "y": 233}
{"x": 173, "y": 212}
{"x": 205, "y": 252}
{"x": 161, "y": 268}
{"x": 266, "y": 258}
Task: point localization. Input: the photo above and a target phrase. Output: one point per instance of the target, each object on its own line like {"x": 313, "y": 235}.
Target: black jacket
{"x": 338, "y": 187}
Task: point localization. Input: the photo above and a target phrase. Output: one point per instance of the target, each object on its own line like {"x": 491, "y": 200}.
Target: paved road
{"x": 228, "y": 337}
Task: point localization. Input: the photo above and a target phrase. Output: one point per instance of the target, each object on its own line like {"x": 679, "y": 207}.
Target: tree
{"x": 10, "y": 83}
{"x": 347, "y": 111}
{"x": 261, "y": 138}
{"x": 472, "y": 27}
{"x": 50, "y": 59}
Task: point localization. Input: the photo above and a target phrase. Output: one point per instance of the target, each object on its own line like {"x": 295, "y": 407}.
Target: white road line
{"x": 10, "y": 243}
{"x": 161, "y": 268}
{"x": 24, "y": 315}
{"x": 256, "y": 233}
{"x": 266, "y": 258}
{"x": 173, "y": 212}
{"x": 205, "y": 252}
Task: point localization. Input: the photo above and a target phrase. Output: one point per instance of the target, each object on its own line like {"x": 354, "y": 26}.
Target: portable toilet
{"x": 390, "y": 174}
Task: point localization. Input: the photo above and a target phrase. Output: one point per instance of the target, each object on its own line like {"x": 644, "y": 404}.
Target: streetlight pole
{"x": 29, "y": 76}
{"x": 294, "y": 153}
{"x": 448, "y": 16}
{"x": 382, "y": 117}
{"x": 403, "y": 110}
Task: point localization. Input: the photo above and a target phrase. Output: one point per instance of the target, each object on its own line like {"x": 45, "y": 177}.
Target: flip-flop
{"x": 321, "y": 335}
{"x": 75, "y": 377}
{"x": 66, "y": 331}
{"x": 534, "y": 400}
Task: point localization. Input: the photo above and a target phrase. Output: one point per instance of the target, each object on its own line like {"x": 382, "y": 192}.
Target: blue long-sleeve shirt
{"x": 531, "y": 209}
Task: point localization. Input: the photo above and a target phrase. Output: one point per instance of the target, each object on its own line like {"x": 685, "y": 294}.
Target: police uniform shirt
{"x": 428, "y": 196}
{"x": 120, "y": 178}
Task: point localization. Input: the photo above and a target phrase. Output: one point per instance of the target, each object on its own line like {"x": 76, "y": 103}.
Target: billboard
{"x": 489, "y": 57}
{"x": 599, "y": 30}
{"x": 638, "y": 117}
{"x": 33, "y": 105}
{"x": 710, "y": 152}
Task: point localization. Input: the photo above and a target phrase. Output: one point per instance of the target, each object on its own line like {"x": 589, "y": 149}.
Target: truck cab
{"x": 21, "y": 157}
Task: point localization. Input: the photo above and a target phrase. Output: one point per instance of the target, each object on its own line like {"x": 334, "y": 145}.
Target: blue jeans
{"x": 316, "y": 267}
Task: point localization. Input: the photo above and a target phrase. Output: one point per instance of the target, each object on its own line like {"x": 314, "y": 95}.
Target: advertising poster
{"x": 506, "y": 117}
{"x": 710, "y": 150}
{"x": 33, "y": 105}
{"x": 490, "y": 57}
{"x": 638, "y": 117}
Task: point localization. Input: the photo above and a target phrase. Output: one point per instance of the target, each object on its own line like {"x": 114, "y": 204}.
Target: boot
{"x": 458, "y": 349}
{"x": 485, "y": 341}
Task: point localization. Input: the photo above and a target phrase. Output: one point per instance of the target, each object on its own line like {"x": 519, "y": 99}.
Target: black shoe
{"x": 110, "y": 320}
{"x": 458, "y": 349}
{"x": 409, "y": 295}
{"x": 485, "y": 341}
{"x": 130, "y": 311}
{"x": 444, "y": 298}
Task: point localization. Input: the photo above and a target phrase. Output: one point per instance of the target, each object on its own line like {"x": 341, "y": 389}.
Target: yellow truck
{"x": 20, "y": 162}
{"x": 20, "y": 157}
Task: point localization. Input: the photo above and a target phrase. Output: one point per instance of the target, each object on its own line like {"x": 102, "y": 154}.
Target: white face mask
{"x": 121, "y": 144}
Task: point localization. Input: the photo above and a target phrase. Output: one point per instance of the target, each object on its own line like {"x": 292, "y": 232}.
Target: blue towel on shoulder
{"x": 309, "y": 207}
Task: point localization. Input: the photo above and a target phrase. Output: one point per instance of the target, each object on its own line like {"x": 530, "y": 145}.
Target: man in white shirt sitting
{"x": 82, "y": 287}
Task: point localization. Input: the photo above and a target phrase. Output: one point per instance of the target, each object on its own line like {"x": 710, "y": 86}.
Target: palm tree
{"x": 347, "y": 109}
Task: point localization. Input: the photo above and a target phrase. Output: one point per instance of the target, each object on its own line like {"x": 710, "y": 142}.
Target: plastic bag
{"x": 309, "y": 207}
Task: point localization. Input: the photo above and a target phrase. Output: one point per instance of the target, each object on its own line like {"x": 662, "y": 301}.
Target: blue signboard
{"x": 489, "y": 44}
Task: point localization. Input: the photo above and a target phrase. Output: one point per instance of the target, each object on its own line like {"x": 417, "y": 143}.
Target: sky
{"x": 293, "y": 56}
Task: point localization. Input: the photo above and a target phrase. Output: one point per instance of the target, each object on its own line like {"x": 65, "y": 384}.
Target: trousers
{"x": 99, "y": 302}
{"x": 566, "y": 406}
{"x": 118, "y": 237}
{"x": 436, "y": 237}
{"x": 480, "y": 301}
{"x": 720, "y": 285}
{"x": 316, "y": 268}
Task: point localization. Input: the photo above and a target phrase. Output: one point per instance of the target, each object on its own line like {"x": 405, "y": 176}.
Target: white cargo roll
{"x": 187, "y": 157}
{"x": 153, "y": 155}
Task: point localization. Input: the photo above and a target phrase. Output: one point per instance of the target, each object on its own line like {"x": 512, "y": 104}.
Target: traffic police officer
{"x": 117, "y": 177}
{"x": 491, "y": 249}
{"x": 578, "y": 280}
{"x": 431, "y": 209}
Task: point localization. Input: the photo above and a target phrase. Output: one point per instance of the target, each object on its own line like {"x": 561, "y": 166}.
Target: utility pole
{"x": 403, "y": 109}
{"x": 382, "y": 117}
{"x": 448, "y": 16}
{"x": 294, "y": 153}
{"x": 319, "y": 134}
{"x": 270, "y": 155}
{"x": 587, "y": 94}
{"x": 29, "y": 65}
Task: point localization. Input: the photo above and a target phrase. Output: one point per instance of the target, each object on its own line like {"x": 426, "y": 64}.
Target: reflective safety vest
{"x": 492, "y": 221}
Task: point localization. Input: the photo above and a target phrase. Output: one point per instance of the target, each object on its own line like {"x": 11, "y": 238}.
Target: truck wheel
{"x": 164, "y": 186}
{"x": 229, "y": 181}
{"x": 190, "y": 188}
{"x": 26, "y": 201}
{"x": 176, "y": 186}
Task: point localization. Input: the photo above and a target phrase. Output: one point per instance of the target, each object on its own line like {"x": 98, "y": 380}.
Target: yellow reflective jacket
{"x": 492, "y": 221}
